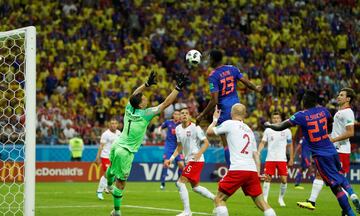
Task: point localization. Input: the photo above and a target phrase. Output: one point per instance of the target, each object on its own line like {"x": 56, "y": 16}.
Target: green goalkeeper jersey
{"x": 136, "y": 122}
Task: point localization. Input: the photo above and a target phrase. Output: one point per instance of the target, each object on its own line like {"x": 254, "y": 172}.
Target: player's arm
{"x": 202, "y": 149}
{"x": 177, "y": 151}
{"x": 181, "y": 81}
{"x": 212, "y": 103}
{"x": 97, "y": 159}
{"x": 291, "y": 160}
{"x": 159, "y": 131}
{"x": 256, "y": 157}
{"x": 261, "y": 146}
{"x": 280, "y": 126}
{"x": 150, "y": 81}
{"x": 349, "y": 132}
{"x": 297, "y": 149}
{"x": 210, "y": 130}
{"x": 250, "y": 85}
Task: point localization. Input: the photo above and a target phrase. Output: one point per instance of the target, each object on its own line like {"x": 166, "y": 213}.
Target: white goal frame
{"x": 30, "y": 115}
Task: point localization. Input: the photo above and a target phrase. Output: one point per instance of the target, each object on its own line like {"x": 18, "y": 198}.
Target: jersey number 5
{"x": 227, "y": 83}
{"x": 244, "y": 151}
{"x": 316, "y": 129}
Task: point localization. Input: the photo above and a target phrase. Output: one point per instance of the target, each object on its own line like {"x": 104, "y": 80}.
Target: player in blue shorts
{"x": 223, "y": 82}
{"x": 313, "y": 121}
{"x": 305, "y": 163}
{"x": 170, "y": 145}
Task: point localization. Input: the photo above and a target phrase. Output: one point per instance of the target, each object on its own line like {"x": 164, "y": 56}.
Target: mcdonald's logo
{"x": 94, "y": 167}
{"x": 11, "y": 170}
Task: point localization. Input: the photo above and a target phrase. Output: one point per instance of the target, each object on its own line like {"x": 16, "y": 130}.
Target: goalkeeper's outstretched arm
{"x": 181, "y": 81}
{"x": 150, "y": 81}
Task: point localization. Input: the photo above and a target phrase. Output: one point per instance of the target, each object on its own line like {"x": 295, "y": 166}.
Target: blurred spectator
{"x": 69, "y": 132}
{"x": 91, "y": 53}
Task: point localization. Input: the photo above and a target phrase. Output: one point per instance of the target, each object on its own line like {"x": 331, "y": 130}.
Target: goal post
{"x": 18, "y": 121}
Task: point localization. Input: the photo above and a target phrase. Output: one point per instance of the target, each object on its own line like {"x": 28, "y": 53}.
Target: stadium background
{"x": 92, "y": 54}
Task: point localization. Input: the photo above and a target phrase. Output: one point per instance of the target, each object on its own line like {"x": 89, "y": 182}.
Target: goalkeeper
{"x": 136, "y": 120}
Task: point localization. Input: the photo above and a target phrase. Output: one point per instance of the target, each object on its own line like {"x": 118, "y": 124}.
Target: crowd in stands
{"x": 92, "y": 54}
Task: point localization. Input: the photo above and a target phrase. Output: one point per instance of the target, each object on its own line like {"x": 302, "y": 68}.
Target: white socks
{"x": 266, "y": 188}
{"x": 184, "y": 195}
{"x": 204, "y": 192}
{"x": 282, "y": 190}
{"x": 316, "y": 188}
{"x": 269, "y": 212}
{"x": 221, "y": 211}
{"x": 102, "y": 184}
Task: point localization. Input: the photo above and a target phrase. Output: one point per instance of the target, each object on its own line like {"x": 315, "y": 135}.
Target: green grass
{"x": 80, "y": 199}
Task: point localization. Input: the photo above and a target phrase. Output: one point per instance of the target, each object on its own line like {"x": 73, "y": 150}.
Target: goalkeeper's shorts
{"x": 121, "y": 160}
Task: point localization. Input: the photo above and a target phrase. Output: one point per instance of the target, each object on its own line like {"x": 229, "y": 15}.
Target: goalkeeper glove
{"x": 181, "y": 81}
{"x": 151, "y": 79}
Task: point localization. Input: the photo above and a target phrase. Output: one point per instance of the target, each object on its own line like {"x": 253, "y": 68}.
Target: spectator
{"x": 76, "y": 147}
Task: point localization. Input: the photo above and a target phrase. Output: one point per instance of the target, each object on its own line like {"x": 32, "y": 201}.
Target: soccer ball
{"x": 193, "y": 57}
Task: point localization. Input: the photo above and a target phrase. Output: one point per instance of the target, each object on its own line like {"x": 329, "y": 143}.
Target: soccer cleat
{"x": 355, "y": 200}
{"x": 298, "y": 187}
{"x": 185, "y": 214}
{"x": 99, "y": 195}
{"x": 308, "y": 205}
{"x": 114, "y": 213}
{"x": 281, "y": 203}
{"x": 162, "y": 186}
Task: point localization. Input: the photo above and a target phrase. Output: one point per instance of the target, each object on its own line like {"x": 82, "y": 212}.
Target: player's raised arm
{"x": 210, "y": 129}
{"x": 150, "y": 81}
{"x": 212, "y": 103}
{"x": 250, "y": 85}
{"x": 279, "y": 127}
{"x": 181, "y": 81}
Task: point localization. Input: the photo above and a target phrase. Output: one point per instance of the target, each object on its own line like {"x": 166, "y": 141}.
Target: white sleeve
{"x": 222, "y": 128}
{"x": 103, "y": 138}
{"x": 265, "y": 135}
{"x": 288, "y": 136}
{"x": 349, "y": 118}
{"x": 200, "y": 133}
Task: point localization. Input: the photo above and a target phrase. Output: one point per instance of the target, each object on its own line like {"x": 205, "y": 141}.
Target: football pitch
{"x": 142, "y": 198}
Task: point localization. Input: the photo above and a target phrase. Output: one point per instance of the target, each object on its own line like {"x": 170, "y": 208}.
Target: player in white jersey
{"x": 102, "y": 156}
{"x": 244, "y": 168}
{"x": 343, "y": 127}
{"x": 189, "y": 137}
{"x": 277, "y": 142}
{"x": 342, "y": 130}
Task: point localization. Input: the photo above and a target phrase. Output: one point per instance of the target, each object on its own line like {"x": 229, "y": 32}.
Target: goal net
{"x": 17, "y": 121}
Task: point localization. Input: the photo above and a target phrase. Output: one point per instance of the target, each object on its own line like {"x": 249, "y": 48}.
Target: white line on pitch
{"x": 91, "y": 192}
{"x": 105, "y": 206}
